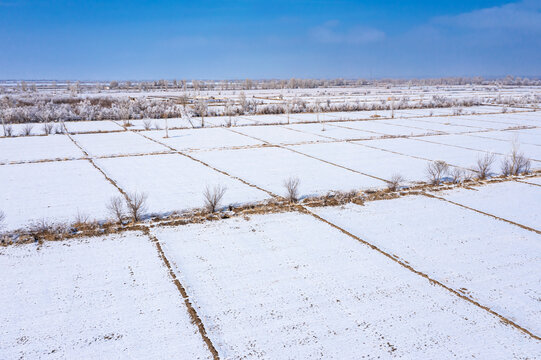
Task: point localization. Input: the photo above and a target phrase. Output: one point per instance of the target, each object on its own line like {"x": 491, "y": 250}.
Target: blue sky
{"x": 268, "y": 39}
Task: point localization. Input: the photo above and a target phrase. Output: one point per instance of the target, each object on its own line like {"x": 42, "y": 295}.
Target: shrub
{"x": 436, "y": 171}
{"x": 146, "y": 124}
{"x": 395, "y": 182}
{"x": 59, "y": 129}
{"x": 515, "y": 163}
{"x": 457, "y": 175}
{"x": 48, "y": 128}
{"x": 116, "y": 208}
{"x": 81, "y": 218}
{"x": 213, "y": 197}
{"x": 27, "y": 129}
{"x": 483, "y": 166}
{"x": 137, "y": 205}
{"x": 292, "y": 189}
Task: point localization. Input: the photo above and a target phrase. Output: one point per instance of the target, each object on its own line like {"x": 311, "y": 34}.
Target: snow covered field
{"x": 54, "y": 192}
{"x": 290, "y": 286}
{"x": 489, "y": 260}
{"x": 331, "y": 155}
{"x": 92, "y": 298}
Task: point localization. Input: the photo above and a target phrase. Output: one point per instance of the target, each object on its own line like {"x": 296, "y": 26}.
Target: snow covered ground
{"x": 53, "y": 191}
{"x": 174, "y": 182}
{"x": 290, "y": 286}
{"x": 489, "y": 260}
{"x": 36, "y": 148}
{"x": 93, "y": 298}
{"x": 510, "y": 200}
{"x": 121, "y": 143}
{"x": 269, "y": 167}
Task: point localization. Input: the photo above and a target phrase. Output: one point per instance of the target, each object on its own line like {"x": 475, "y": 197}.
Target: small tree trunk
{"x": 166, "y": 128}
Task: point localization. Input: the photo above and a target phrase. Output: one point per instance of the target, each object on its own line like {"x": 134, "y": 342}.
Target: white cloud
{"x": 523, "y": 16}
{"x": 332, "y": 33}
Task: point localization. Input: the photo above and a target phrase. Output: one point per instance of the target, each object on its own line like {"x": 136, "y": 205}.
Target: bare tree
{"x": 292, "y": 189}
{"x": 201, "y": 108}
{"x": 484, "y": 165}
{"x": 395, "y": 182}
{"x": 8, "y": 130}
{"x": 136, "y": 204}
{"x": 213, "y": 197}
{"x": 116, "y": 208}
{"x": 516, "y": 163}
{"x": 436, "y": 171}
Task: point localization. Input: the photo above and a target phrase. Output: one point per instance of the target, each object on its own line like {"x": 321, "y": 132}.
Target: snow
{"x": 55, "y": 191}
{"x": 289, "y": 286}
{"x": 456, "y": 156}
{"x": 380, "y": 127}
{"x": 269, "y": 167}
{"x": 279, "y": 134}
{"x": 526, "y": 136}
{"x": 174, "y": 182}
{"x": 35, "y": 148}
{"x": 93, "y": 298}
{"x": 121, "y": 143}
{"x": 430, "y": 125}
{"x": 75, "y": 127}
{"x": 375, "y": 162}
{"x": 332, "y": 131}
{"x": 488, "y": 145}
{"x": 199, "y": 139}
{"x": 510, "y": 200}
{"x": 490, "y": 260}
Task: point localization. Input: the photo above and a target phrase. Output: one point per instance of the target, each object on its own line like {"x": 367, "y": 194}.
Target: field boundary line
{"x": 195, "y": 319}
{"x": 481, "y": 212}
{"x": 313, "y": 157}
{"x": 93, "y": 163}
{"x": 526, "y": 182}
{"x": 397, "y": 260}
{"x": 209, "y": 166}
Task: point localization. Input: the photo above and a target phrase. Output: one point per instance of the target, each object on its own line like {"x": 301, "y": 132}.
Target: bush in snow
{"x": 137, "y": 205}
{"x": 2, "y": 219}
{"x": 116, "y": 208}
{"x": 27, "y": 130}
{"x": 515, "y": 163}
{"x": 436, "y": 171}
{"x": 395, "y": 182}
{"x": 213, "y": 197}
{"x": 292, "y": 189}
{"x": 484, "y": 165}
{"x": 457, "y": 175}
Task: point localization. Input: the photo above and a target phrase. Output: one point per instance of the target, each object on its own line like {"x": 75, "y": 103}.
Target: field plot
{"x": 99, "y": 298}
{"x": 80, "y": 127}
{"x": 509, "y": 120}
{"x": 174, "y": 182}
{"x": 375, "y": 162}
{"x": 524, "y": 136}
{"x": 434, "y": 127}
{"x": 279, "y": 134}
{"x": 122, "y": 143}
{"x": 514, "y": 201}
{"x": 487, "y": 259}
{"x": 381, "y": 128}
{"x": 331, "y": 131}
{"x": 202, "y": 139}
{"x": 263, "y": 119}
{"x": 358, "y": 115}
{"x": 472, "y": 122}
{"x": 289, "y": 286}
{"x": 222, "y": 121}
{"x": 269, "y": 167}
{"x": 488, "y": 145}
{"x": 452, "y": 155}
{"x": 55, "y": 191}
{"x": 36, "y": 148}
